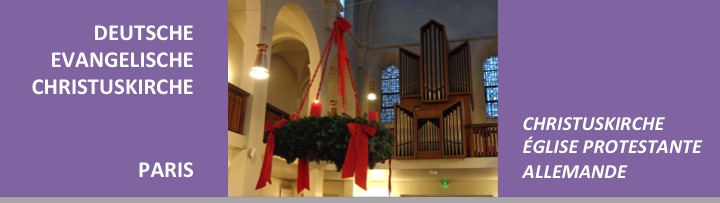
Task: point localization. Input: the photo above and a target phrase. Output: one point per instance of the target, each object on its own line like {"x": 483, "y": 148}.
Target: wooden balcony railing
{"x": 483, "y": 140}
{"x": 237, "y": 100}
{"x": 480, "y": 140}
{"x": 274, "y": 114}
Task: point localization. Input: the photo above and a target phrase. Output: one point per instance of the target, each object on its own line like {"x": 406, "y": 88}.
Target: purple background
{"x": 611, "y": 58}
{"x": 90, "y": 145}
{"x": 559, "y": 58}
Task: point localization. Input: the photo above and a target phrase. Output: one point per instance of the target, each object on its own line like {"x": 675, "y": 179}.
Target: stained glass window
{"x": 490, "y": 73}
{"x": 342, "y": 3}
{"x": 390, "y": 84}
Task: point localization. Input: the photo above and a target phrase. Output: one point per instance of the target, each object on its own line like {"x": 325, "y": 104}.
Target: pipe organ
{"x": 404, "y": 133}
{"x": 436, "y": 94}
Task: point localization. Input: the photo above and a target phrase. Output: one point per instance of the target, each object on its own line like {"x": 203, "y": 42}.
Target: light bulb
{"x": 259, "y": 72}
{"x": 372, "y": 96}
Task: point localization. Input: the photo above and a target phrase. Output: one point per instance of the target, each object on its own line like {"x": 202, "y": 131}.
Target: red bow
{"x": 356, "y": 159}
{"x": 266, "y": 171}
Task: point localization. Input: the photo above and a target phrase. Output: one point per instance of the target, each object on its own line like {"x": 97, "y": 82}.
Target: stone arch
{"x": 292, "y": 25}
{"x": 287, "y": 72}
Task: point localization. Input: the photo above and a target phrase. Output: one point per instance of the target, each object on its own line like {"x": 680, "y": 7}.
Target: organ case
{"x": 436, "y": 94}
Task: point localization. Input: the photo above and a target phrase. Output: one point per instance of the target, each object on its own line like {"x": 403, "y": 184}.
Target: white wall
{"x": 334, "y": 188}
{"x": 235, "y": 55}
{"x": 236, "y": 172}
{"x": 283, "y": 94}
{"x": 274, "y": 189}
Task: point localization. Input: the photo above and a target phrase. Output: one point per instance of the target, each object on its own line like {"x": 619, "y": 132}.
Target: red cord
{"x": 322, "y": 76}
{"x": 343, "y": 77}
{"x": 390, "y": 177}
{"x": 325, "y": 52}
{"x": 323, "y": 61}
{"x": 352, "y": 82}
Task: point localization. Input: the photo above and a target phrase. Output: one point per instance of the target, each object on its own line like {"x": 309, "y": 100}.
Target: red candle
{"x": 315, "y": 108}
{"x": 294, "y": 117}
{"x": 373, "y": 116}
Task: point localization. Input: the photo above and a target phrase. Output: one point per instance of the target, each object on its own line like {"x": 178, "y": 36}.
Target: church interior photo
{"x": 362, "y": 98}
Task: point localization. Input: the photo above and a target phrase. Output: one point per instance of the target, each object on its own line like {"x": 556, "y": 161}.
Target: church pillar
{"x": 256, "y": 105}
{"x": 254, "y": 138}
{"x": 239, "y": 163}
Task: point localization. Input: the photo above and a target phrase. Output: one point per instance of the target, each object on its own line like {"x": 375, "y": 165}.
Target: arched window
{"x": 390, "y": 92}
{"x": 490, "y": 73}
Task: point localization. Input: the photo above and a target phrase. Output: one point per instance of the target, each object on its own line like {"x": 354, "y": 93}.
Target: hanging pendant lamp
{"x": 260, "y": 69}
{"x": 371, "y": 96}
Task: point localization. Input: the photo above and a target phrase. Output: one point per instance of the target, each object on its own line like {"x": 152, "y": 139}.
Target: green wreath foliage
{"x": 326, "y": 139}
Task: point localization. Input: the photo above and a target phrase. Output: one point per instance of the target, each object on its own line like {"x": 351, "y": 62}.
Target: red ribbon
{"x": 266, "y": 171}
{"x": 303, "y": 178}
{"x": 356, "y": 159}
{"x": 389, "y": 177}
{"x": 341, "y": 26}
{"x": 303, "y": 168}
